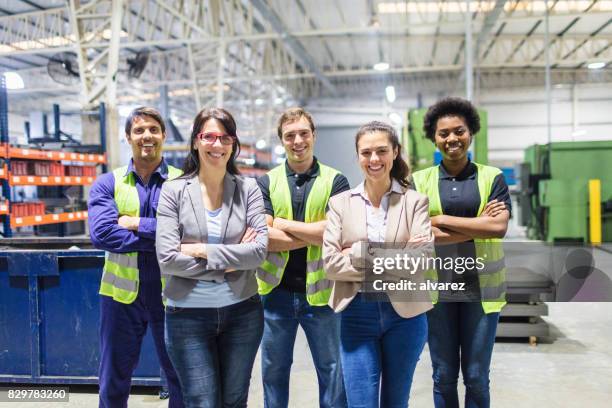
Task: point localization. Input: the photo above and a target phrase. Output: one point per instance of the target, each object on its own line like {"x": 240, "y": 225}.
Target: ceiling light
{"x": 381, "y": 66}
{"x": 596, "y": 65}
{"x": 395, "y": 118}
{"x": 13, "y": 80}
{"x": 279, "y": 150}
{"x": 261, "y": 144}
{"x": 390, "y": 93}
{"x": 259, "y": 101}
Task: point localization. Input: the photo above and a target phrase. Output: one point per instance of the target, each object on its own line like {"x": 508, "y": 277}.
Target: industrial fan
{"x": 64, "y": 68}
{"x": 138, "y": 63}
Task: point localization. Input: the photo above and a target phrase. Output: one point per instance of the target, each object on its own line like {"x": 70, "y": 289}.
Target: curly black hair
{"x": 451, "y": 106}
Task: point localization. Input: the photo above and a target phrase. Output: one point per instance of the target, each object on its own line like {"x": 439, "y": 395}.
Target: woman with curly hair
{"x": 469, "y": 206}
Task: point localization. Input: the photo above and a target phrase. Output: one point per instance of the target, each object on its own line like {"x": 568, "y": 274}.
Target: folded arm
{"x": 171, "y": 260}
{"x": 280, "y": 240}
{"x": 309, "y": 232}
{"x": 104, "y": 228}
{"x": 337, "y": 261}
{"x": 246, "y": 255}
{"x": 485, "y": 226}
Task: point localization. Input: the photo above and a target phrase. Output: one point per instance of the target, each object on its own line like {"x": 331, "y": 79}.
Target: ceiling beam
{"x": 297, "y": 50}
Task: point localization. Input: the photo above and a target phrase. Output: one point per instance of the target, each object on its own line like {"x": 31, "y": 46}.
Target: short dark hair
{"x": 451, "y": 106}
{"x": 192, "y": 161}
{"x": 291, "y": 115}
{"x": 144, "y": 111}
{"x": 400, "y": 170}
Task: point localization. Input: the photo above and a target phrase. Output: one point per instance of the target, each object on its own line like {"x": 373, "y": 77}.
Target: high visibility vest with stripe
{"x": 120, "y": 276}
{"x": 270, "y": 272}
{"x": 492, "y": 278}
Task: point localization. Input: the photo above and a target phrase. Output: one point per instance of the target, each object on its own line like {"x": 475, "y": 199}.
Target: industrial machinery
{"x": 422, "y": 152}
{"x": 556, "y": 203}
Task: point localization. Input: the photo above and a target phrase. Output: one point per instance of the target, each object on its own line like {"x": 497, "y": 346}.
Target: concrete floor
{"x": 573, "y": 370}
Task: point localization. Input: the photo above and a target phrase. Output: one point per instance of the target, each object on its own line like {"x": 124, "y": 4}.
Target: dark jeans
{"x": 284, "y": 311}
{"x": 377, "y": 342}
{"x": 461, "y": 335}
{"x": 122, "y": 328}
{"x": 213, "y": 350}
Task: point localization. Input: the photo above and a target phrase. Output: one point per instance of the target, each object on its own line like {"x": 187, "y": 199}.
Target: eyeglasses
{"x": 211, "y": 138}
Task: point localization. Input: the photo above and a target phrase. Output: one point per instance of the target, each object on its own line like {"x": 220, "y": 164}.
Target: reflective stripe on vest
{"x": 120, "y": 276}
{"x": 270, "y": 272}
{"x": 492, "y": 278}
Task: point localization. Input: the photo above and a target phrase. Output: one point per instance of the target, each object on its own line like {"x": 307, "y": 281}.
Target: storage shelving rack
{"x": 11, "y": 221}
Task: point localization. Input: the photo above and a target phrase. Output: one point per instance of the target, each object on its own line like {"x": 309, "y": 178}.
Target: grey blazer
{"x": 181, "y": 219}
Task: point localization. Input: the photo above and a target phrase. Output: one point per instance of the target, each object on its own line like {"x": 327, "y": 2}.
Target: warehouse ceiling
{"x": 257, "y": 57}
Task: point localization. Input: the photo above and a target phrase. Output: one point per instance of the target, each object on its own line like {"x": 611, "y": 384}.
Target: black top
{"x": 294, "y": 277}
{"x": 460, "y": 197}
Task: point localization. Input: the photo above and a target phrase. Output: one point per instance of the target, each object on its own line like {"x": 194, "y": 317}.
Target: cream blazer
{"x": 407, "y": 216}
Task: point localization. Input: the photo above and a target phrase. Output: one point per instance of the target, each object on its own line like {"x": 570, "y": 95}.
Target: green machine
{"x": 554, "y": 194}
{"x": 421, "y": 151}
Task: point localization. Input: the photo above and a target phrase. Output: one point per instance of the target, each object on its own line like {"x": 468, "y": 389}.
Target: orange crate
{"x": 19, "y": 168}
{"x": 89, "y": 171}
{"x": 57, "y": 169}
{"x": 74, "y": 171}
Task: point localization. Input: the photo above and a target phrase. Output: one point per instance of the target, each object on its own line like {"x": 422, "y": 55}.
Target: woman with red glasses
{"x": 211, "y": 235}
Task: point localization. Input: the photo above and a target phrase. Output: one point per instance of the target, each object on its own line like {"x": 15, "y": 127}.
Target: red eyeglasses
{"x": 211, "y": 138}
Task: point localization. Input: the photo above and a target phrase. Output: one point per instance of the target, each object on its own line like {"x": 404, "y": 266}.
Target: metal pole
{"x": 547, "y": 75}
{"x": 163, "y": 102}
{"x": 469, "y": 57}
{"x": 220, "y": 71}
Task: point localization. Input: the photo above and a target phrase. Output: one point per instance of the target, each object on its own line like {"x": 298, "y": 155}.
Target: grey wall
{"x": 335, "y": 147}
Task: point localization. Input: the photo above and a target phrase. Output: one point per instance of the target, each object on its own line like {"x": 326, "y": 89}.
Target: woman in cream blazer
{"x": 381, "y": 341}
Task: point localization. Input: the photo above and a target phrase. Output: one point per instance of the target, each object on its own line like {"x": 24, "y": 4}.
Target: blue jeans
{"x": 461, "y": 335}
{"x": 283, "y": 312}
{"x": 377, "y": 342}
{"x": 213, "y": 351}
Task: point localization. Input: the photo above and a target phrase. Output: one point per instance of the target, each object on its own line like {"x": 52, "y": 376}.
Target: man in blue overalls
{"x": 122, "y": 207}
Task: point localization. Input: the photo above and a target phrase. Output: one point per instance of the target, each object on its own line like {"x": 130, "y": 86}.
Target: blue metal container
{"x": 49, "y": 317}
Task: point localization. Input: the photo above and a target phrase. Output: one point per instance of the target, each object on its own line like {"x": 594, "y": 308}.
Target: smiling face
{"x": 216, "y": 154}
{"x": 453, "y": 138}
{"x": 298, "y": 141}
{"x": 376, "y": 155}
{"x": 146, "y": 139}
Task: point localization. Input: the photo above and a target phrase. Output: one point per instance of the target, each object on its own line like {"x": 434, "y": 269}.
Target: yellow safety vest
{"x": 270, "y": 272}
{"x": 492, "y": 278}
{"x": 120, "y": 276}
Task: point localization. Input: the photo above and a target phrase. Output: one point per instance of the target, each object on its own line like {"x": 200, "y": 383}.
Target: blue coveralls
{"x": 123, "y": 326}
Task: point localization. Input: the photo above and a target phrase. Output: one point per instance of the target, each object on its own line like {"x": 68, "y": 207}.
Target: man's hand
{"x": 493, "y": 208}
{"x": 194, "y": 250}
{"x": 280, "y": 223}
{"x": 437, "y": 221}
{"x": 129, "y": 223}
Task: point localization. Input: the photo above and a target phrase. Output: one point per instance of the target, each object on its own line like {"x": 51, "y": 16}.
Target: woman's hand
{"x": 194, "y": 250}
{"x": 493, "y": 208}
{"x": 249, "y": 236}
{"x": 419, "y": 238}
{"x": 347, "y": 251}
